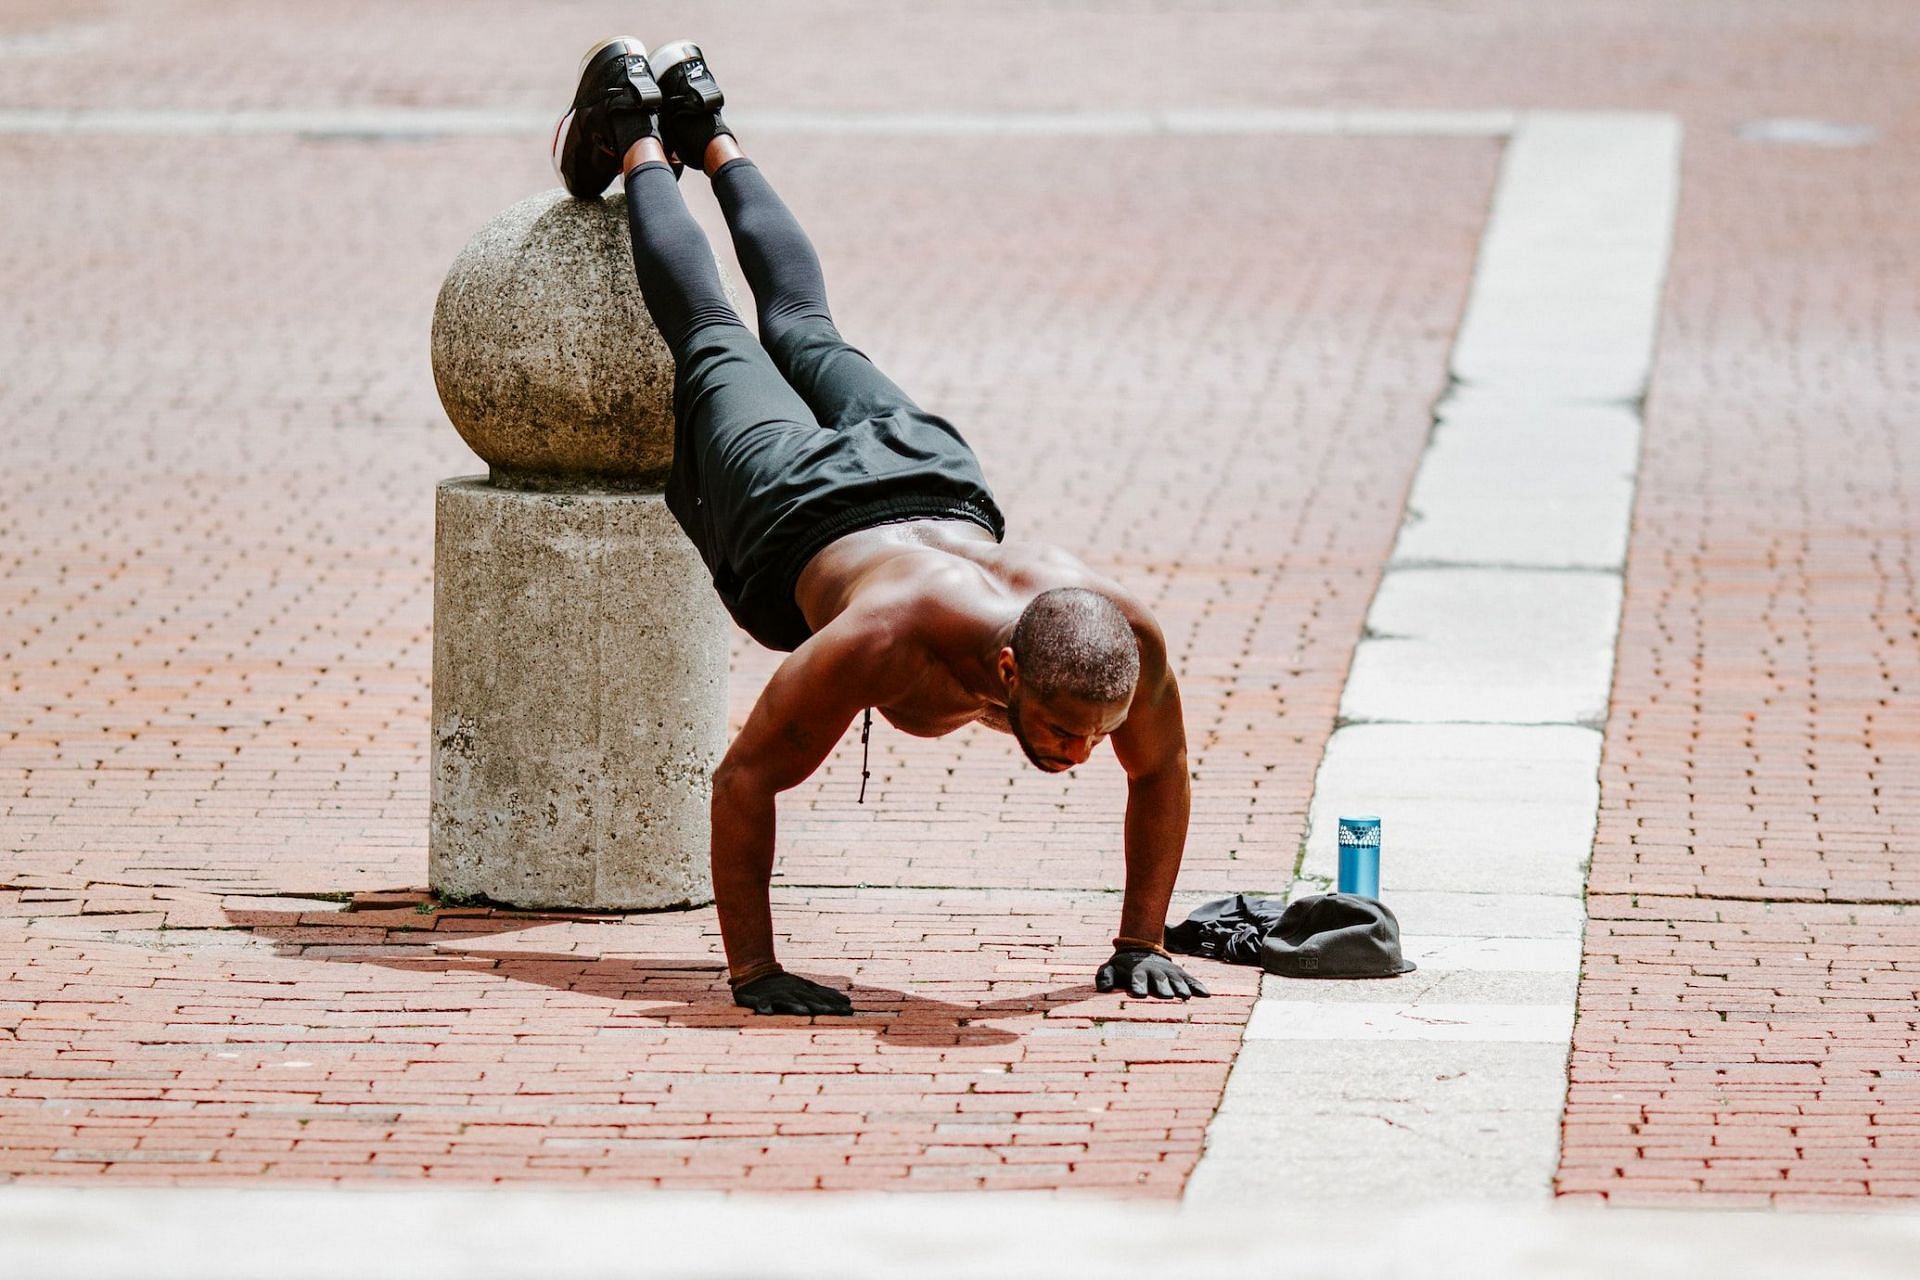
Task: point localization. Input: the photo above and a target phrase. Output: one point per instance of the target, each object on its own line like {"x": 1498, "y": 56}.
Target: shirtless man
{"x": 851, "y": 528}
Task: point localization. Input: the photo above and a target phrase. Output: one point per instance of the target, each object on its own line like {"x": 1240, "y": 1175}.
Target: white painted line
{"x": 1146, "y": 123}
{"x": 396, "y": 122}
{"x": 1406, "y": 124}
{"x": 411, "y": 122}
{"x": 1343, "y": 1020}
{"x": 1800, "y": 131}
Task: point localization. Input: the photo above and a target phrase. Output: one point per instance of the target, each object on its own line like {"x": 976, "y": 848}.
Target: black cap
{"x": 1335, "y": 935}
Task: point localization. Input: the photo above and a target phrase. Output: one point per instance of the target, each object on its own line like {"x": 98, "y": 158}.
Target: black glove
{"x": 783, "y": 992}
{"x": 1147, "y": 973}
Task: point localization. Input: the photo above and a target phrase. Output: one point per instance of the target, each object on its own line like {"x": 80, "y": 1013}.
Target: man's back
{"x": 946, "y": 596}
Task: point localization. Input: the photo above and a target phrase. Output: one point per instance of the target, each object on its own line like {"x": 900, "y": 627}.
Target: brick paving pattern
{"x": 218, "y": 958}
{"x": 1749, "y": 1027}
{"x": 215, "y": 648}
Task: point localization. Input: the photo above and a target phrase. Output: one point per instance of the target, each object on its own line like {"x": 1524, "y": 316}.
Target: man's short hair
{"x": 1074, "y": 641}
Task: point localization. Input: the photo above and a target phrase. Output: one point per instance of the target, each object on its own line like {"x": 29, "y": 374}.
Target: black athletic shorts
{"x": 760, "y": 488}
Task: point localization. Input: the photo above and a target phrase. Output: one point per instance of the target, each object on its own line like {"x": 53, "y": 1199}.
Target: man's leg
{"x": 671, "y": 256}
{"x": 838, "y": 382}
{"x": 725, "y": 384}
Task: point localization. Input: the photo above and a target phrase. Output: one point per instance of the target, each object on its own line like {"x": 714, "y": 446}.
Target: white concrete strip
{"x": 1387, "y": 1154}
{"x": 414, "y": 122}
{"x": 1502, "y": 764}
{"x": 1566, "y": 292}
{"x": 1317, "y": 1230}
{"x": 1463, "y": 807}
{"x": 1486, "y": 646}
{"x": 1431, "y": 986}
{"x": 1322, "y": 1020}
{"x": 1493, "y": 955}
{"x": 1444, "y": 913}
{"x": 1472, "y": 716}
{"x": 1399, "y": 1123}
{"x": 1289, "y": 1078}
{"x": 1546, "y": 487}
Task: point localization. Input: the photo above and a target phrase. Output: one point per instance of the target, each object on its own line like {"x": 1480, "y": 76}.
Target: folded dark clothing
{"x": 1229, "y": 929}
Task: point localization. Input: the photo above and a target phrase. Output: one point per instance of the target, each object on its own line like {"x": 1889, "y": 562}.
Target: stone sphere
{"x": 543, "y": 352}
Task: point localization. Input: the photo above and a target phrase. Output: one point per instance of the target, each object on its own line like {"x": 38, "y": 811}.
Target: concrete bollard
{"x": 579, "y": 652}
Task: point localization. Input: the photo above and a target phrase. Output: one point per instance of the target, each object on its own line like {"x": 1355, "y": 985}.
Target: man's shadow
{"x": 679, "y": 991}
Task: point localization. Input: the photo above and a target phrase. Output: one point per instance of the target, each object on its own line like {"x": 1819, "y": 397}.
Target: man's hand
{"x": 1147, "y": 973}
{"x": 783, "y": 992}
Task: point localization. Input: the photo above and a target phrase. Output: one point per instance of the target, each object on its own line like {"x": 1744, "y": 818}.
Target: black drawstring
{"x": 866, "y": 727}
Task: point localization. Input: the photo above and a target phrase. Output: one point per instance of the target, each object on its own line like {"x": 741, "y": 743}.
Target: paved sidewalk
{"x": 1749, "y": 1028}
{"x": 1216, "y": 362}
{"x": 220, "y": 703}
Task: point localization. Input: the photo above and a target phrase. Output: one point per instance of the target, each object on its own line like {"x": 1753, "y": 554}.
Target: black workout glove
{"x": 1147, "y": 973}
{"x": 783, "y": 992}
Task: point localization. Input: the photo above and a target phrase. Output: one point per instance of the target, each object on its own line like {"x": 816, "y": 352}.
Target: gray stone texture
{"x": 543, "y": 352}
{"x": 579, "y": 700}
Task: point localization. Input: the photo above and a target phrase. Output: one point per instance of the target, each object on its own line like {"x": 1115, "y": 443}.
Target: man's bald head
{"x": 1076, "y": 642}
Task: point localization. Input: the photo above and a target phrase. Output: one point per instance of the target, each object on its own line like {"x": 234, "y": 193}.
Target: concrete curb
{"x": 102, "y": 1234}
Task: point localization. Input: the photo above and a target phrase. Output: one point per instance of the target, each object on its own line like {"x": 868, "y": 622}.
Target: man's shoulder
{"x": 930, "y": 596}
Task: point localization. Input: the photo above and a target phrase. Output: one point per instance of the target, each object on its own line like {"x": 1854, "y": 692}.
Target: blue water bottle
{"x": 1360, "y": 856}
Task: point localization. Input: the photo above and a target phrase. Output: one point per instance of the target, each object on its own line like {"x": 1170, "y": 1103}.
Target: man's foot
{"x": 690, "y": 110}
{"x": 612, "y": 109}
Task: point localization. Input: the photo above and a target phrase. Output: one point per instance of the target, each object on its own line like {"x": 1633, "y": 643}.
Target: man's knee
{"x": 792, "y": 333}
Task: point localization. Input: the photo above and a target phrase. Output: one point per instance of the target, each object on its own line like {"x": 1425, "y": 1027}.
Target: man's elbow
{"x": 730, "y": 781}
{"x": 1168, "y": 770}
{"x": 742, "y": 786}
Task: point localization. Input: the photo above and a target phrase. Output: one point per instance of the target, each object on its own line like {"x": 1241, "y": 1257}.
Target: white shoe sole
{"x": 672, "y": 54}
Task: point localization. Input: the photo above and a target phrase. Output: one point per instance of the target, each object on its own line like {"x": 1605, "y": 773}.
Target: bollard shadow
{"x": 675, "y": 991}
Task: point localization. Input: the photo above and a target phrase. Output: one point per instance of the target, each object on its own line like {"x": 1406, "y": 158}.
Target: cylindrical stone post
{"x": 579, "y": 652}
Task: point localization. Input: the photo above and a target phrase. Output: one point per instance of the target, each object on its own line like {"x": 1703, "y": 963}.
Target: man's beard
{"x": 1020, "y": 736}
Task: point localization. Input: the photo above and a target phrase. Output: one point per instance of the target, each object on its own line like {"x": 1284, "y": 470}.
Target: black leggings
{"x": 810, "y": 372}
{"x": 786, "y": 442}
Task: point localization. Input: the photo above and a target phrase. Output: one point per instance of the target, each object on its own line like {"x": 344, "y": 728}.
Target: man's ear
{"x": 1008, "y": 668}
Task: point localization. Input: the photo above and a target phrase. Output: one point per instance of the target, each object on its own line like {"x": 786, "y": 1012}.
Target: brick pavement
{"x": 1749, "y": 1029}
{"x": 1750, "y": 894}
{"x": 391, "y": 1039}
{"x": 216, "y": 659}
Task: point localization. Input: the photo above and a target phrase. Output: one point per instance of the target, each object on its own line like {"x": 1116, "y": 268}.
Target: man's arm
{"x": 1152, "y": 747}
{"x": 801, "y": 714}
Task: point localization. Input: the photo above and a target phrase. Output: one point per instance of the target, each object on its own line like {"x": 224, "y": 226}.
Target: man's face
{"x": 1060, "y": 732}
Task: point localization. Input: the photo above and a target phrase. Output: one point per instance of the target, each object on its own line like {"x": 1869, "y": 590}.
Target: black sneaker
{"x": 691, "y": 101}
{"x": 613, "y": 109}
